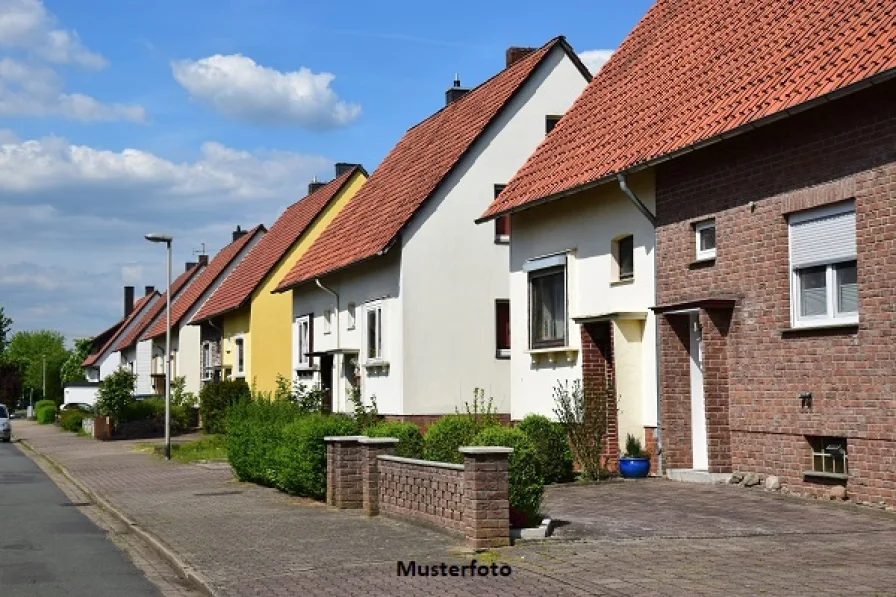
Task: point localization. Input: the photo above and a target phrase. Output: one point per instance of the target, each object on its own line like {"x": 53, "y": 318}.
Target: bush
{"x": 526, "y": 480}
{"x": 449, "y": 433}
{"x": 41, "y": 403}
{"x": 116, "y": 393}
{"x": 216, "y": 398}
{"x": 254, "y": 434}
{"x": 410, "y": 443}
{"x": 70, "y": 420}
{"x": 584, "y": 412}
{"x": 551, "y": 447}
{"x": 151, "y": 412}
{"x": 301, "y": 460}
{"x": 46, "y": 414}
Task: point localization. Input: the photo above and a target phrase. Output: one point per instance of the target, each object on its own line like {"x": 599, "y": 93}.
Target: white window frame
{"x": 301, "y": 362}
{"x": 536, "y": 268}
{"x": 351, "y": 312}
{"x": 239, "y": 346}
{"x": 206, "y": 358}
{"x": 377, "y": 307}
{"x": 704, "y": 255}
{"x": 328, "y": 320}
{"x": 832, "y": 317}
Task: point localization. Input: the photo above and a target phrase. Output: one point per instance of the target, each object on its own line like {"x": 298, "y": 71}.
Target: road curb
{"x": 188, "y": 572}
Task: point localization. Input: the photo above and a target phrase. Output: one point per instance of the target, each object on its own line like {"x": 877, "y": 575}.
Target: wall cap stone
{"x": 378, "y": 440}
{"x": 474, "y": 450}
{"x": 432, "y": 463}
{"x": 343, "y": 438}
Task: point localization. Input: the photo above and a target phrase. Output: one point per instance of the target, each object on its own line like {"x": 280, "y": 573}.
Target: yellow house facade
{"x": 255, "y": 324}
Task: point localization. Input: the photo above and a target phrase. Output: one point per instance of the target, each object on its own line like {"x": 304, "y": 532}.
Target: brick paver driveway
{"x": 641, "y": 538}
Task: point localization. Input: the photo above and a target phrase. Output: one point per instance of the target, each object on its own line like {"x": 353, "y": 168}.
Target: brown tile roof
{"x": 236, "y": 290}
{"x": 209, "y": 275}
{"x": 176, "y": 286}
{"x": 122, "y": 326}
{"x": 411, "y": 172}
{"x": 693, "y": 70}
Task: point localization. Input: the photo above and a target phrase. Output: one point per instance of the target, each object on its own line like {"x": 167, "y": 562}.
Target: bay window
{"x": 547, "y": 301}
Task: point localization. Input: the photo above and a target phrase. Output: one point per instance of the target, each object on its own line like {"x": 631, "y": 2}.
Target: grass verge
{"x": 208, "y": 447}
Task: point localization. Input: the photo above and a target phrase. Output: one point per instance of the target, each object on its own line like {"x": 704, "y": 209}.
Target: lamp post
{"x": 43, "y": 359}
{"x": 164, "y": 238}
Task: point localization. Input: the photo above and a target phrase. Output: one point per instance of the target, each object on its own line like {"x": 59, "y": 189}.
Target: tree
{"x": 116, "y": 393}
{"x": 5, "y": 326}
{"x": 71, "y": 369}
{"x": 30, "y": 348}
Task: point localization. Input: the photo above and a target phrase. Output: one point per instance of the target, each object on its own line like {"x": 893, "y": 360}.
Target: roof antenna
{"x": 456, "y": 80}
{"x": 199, "y": 251}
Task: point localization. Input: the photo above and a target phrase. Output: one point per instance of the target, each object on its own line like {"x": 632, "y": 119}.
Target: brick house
{"x": 770, "y": 131}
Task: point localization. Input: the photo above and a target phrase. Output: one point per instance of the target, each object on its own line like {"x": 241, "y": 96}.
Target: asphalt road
{"x": 48, "y": 548}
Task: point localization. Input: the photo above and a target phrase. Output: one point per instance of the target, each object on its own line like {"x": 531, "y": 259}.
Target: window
{"x": 207, "y": 366}
{"x": 824, "y": 281}
{"x": 374, "y": 316}
{"x": 240, "y": 358}
{"x": 547, "y": 304}
{"x": 328, "y": 321}
{"x": 302, "y": 331}
{"x": 623, "y": 259}
{"x": 549, "y": 123}
{"x": 502, "y": 224}
{"x": 828, "y": 455}
{"x": 706, "y": 240}
{"x": 351, "y": 316}
{"x": 502, "y": 329}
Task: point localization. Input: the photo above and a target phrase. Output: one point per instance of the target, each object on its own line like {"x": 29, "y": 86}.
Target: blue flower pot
{"x": 634, "y": 468}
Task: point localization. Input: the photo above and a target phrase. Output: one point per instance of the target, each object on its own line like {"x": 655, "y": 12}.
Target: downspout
{"x": 623, "y": 186}
{"x": 340, "y": 366}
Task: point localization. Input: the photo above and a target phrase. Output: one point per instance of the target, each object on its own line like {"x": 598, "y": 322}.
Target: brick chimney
{"x": 189, "y": 265}
{"x": 203, "y": 259}
{"x": 238, "y": 233}
{"x": 455, "y": 92}
{"x": 314, "y": 185}
{"x": 343, "y": 167}
{"x": 128, "y": 300}
{"x": 148, "y": 290}
{"x": 515, "y": 54}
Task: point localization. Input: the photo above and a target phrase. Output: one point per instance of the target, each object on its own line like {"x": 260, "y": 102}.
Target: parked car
{"x": 5, "y": 426}
{"x": 83, "y": 407}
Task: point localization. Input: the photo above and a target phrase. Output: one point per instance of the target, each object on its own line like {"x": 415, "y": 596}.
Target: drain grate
{"x": 225, "y": 492}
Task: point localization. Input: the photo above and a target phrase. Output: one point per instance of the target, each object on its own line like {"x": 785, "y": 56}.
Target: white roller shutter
{"x": 827, "y": 238}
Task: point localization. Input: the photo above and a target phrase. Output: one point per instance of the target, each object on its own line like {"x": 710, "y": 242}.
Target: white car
{"x": 5, "y": 426}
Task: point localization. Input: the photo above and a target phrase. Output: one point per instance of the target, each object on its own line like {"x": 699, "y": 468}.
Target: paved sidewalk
{"x": 659, "y": 538}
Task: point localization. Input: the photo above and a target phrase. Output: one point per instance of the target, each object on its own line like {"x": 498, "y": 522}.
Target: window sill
{"x": 834, "y": 328}
{"x": 240, "y": 375}
{"x": 821, "y": 475}
{"x": 307, "y": 368}
{"x": 376, "y": 364}
{"x": 504, "y": 239}
{"x": 701, "y": 263}
{"x": 553, "y": 354}
{"x": 624, "y": 282}
{"x": 502, "y": 353}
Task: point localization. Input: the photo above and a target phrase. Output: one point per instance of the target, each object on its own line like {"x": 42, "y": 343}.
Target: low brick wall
{"x": 469, "y": 499}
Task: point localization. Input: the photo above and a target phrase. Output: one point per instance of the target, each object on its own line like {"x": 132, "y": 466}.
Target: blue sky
{"x": 191, "y": 117}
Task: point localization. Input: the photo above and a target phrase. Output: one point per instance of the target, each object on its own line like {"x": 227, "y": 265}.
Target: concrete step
{"x": 688, "y": 475}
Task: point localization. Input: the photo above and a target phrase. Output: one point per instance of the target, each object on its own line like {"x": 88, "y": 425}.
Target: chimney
{"x": 149, "y": 290}
{"x": 189, "y": 265}
{"x": 342, "y": 168}
{"x": 455, "y": 92}
{"x": 128, "y": 300}
{"x": 237, "y": 234}
{"x": 515, "y": 54}
{"x": 314, "y": 184}
{"x": 203, "y": 259}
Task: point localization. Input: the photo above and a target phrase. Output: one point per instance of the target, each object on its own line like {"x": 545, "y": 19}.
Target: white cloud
{"x": 594, "y": 59}
{"x": 238, "y": 87}
{"x": 26, "y": 25}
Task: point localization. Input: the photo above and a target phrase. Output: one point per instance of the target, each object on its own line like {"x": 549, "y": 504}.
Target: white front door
{"x": 698, "y": 406}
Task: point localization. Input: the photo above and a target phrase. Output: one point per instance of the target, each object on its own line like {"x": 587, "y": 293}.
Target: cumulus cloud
{"x": 239, "y": 88}
{"x": 74, "y": 216}
{"x": 26, "y": 25}
{"x": 594, "y": 59}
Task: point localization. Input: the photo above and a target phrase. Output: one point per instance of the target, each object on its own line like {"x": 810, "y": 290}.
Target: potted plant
{"x": 635, "y": 463}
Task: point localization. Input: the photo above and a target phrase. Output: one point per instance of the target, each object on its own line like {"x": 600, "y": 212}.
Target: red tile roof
{"x": 122, "y": 326}
{"x": 236, "y": 290}
{"x": 411, "y": 172}
{"x": 693, "y": 70}
{"x": 209, "y": 275}
{"x": 176, "y": 286}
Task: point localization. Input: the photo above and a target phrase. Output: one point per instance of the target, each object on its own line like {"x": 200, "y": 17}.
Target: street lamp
{"x": 164, "y": 238}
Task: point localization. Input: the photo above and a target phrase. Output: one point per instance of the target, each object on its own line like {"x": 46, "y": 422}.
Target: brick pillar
{"x": 486, "y": 496}
{"x": 344, "y": 478}
{"x": 716, "y": 324}
{"x": 371, "y": 448}
{"x": 599, "y": 372}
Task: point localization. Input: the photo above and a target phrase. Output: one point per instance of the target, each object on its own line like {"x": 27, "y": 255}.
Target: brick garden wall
{"x": 431, "y": 492}
{"x": 845, "y": 149}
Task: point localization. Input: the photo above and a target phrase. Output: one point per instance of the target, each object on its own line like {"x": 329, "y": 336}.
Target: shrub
{"x": 46, "y": 414}
{"x": 482, "y": 412}
{"x": 151, "y": 411}
{"x": 584, "y": 413}
{"x": 70, "y": 420}
{"x": 179, "y": 395}
{"x": 365, "y": 416}
{"x": 41, "y": 403}
{"x": 301, "y": 459}
{"x": 551, "y": 447}
{"x": 254, "y": 434}
{"x": 116, "y": 393}
{"x": 633, "y": 447}
{"x": 526, "y": 481}
{"x": 216, "y": 398}
{"x": 410, "y": 443}
{"x": 449, "y": 433}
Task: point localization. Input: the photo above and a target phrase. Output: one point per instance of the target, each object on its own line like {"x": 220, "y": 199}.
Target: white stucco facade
{"x": 583, "y": 227}
{"x": 442, "y": 279}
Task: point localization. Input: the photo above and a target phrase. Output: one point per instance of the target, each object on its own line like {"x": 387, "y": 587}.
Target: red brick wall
{"x": 675, "y": 391}
{"x": 597, "y": 371}
{"x": 430, "y": 493}
{"x": 843, "y": 150}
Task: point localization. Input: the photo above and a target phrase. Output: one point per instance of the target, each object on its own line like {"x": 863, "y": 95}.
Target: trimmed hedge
{"x": 146, "y": 417}
{"x": 46, "y": 414}
{"x": 551, "y": 447}
{"x": 216, "y": 398}
{"x": 301, "y": 460}
{"x": 410, "y": 443}
{"x": 446, "y": 435}
{"x": 70, "y": 420}
{"x": 41, "y": 403}
{"x": 526, "y": 480}
{"x": 254, "y": 435}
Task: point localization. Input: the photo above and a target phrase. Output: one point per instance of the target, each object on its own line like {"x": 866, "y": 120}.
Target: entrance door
{"x": 698, "y": 405}
{"x": 326, "y": 382}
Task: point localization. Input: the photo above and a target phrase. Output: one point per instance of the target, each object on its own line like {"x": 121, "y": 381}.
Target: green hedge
{"x": 70, "y": 420}
{"x": 551, "y": 447}
{"x": 301, "y": 460}
{"x": 446, "y": 435}
{"x": 216, "y": 398}
{"x": 526, "y": 480}
{"x": 254, "y": 435}
{"x": 410, "y": 443}
{"x": 41, "y": 403}
{"x": 46, "y": 414}
{"x": 153, "y": 410}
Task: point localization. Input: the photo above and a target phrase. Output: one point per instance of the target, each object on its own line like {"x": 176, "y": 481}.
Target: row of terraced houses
{"x": 709, "y": 224}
